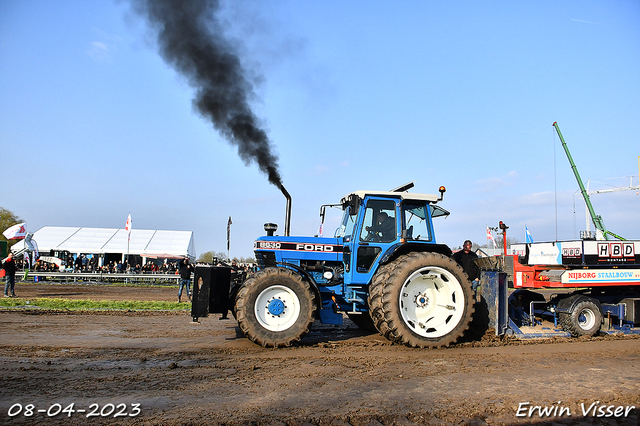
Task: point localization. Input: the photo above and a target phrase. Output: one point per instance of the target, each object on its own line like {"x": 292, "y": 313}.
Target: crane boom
{"x": 597, "y": 220}
{"x": 624, "y": 188}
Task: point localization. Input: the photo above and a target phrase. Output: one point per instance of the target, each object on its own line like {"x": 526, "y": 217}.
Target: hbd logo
{"x": 616, "y": 250}
{"x": 571, "y": 252}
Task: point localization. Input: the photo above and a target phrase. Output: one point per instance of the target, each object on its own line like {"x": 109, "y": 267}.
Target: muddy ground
{"x": 156, "y": 368}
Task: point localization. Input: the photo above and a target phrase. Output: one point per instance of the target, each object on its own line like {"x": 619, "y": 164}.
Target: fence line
{"x": 99, "y": 277}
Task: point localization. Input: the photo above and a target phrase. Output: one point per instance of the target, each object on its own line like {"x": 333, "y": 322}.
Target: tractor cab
{"x": 378, "y": 226}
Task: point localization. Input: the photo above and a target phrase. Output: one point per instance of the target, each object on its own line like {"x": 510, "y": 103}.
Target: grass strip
{"x": 88, "y": 304}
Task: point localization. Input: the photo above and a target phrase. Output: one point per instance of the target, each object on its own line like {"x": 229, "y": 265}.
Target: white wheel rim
{"x": 432, "y": 302}
{"x": 277, "y": 308}
{"x": 586, "y": 319}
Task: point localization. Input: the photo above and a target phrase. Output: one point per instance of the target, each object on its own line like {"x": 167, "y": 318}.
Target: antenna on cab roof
{"x": 405, "y": 187}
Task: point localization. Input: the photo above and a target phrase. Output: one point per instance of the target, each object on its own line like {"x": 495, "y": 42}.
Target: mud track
{"x": 182, "y": 372}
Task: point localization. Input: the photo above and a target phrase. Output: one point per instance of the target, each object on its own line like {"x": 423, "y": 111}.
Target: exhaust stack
{"x": 287, "y": 217}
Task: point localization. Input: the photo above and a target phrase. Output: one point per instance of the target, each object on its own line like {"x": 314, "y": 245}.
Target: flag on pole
{"x": 35, "y": 253}
{"x": 16, "y": 232}
{"x": 127, "y": 227}
{"x": 527, "y": 235}
{"x": 229, "y": 232}
{"x": 490, "y": 237}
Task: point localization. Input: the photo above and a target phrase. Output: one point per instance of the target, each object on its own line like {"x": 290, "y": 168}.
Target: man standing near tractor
{"x": 466, "y": 258}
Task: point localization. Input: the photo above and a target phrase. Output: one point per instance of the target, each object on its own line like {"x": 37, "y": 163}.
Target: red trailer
{"x": 598, "y": 285}
{"x": 598, "y": 281}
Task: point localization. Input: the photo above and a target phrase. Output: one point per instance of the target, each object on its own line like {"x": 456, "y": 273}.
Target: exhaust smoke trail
{"x": 191, "y": 40}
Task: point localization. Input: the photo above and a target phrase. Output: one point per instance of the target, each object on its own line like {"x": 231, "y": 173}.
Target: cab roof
{"x": 391, "y": 194}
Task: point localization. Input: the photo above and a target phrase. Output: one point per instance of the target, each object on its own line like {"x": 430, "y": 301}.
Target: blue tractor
{"x": 383, "y": 268}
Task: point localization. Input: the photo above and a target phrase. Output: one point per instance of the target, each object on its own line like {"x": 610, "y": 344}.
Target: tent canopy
{"x": 143, "y": 242}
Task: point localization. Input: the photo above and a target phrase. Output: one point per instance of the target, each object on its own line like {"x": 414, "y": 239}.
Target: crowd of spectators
{"x": 121, "y": 267}
{"x": 90, "y": 264}
{"x": 124, "y": 267}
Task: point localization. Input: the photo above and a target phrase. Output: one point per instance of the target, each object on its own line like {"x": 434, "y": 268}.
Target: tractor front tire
{"x": 275, "y": 307}
{"x": 422, "y": 300}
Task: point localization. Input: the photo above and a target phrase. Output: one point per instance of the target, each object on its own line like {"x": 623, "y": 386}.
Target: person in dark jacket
{"x": 9, "y": 266}
{"x": 185, "y": 269}
{"x": 78, "y": 263}
{"x": 384, "y": 228}
{"x": 466, "y": 258}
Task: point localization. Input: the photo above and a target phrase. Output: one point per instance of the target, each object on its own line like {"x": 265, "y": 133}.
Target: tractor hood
{"x": 292, "y": 249}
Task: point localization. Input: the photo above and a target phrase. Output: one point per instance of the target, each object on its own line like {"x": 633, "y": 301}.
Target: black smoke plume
{"x": 191, "y": 40}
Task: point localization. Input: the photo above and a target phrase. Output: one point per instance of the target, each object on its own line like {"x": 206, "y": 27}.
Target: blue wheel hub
{"x": 276, "y": 307}
{"x": 422, "y": 300}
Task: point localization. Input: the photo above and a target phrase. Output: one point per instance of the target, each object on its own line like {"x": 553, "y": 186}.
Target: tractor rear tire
{"x": 585, "y": 319}
{"x": 422, "y": 300}
{"x": 375, "y": 297}
{"x": 275, "y": 307}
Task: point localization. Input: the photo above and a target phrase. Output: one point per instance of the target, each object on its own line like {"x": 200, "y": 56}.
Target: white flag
{"x": 127, "y": 227}
{"x": 490, "y": 237}
{"x": 16, "y": 232}
{"x": 36, "y": 253}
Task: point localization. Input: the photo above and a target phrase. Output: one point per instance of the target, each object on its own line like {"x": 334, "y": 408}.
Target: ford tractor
{"x": 382, "y": 268}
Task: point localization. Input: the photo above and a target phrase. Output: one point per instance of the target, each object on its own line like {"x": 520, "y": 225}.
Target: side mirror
{"x": 354, "y": 205}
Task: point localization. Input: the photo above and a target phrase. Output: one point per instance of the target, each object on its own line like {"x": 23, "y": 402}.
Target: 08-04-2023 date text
{"x": 94, "y": 410}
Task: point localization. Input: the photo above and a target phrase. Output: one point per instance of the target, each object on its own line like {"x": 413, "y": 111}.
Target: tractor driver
{"x": 385, "y": 227}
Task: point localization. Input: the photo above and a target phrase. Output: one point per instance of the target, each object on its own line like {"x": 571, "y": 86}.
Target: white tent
{"x": 143, "y": 242}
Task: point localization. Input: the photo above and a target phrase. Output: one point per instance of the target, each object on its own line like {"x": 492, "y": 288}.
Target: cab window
{"x": 379, "y": 223}
{"x": 416, "y": 221}
{"x": 346, "y": 227}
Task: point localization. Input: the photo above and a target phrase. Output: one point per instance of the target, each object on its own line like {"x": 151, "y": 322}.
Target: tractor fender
{"x": 400, "y": 249}
{"x": 567, "y": 305}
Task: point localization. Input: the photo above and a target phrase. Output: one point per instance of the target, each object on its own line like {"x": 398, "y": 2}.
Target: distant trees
{"x": 205, "y": 257}
{"x": 510, "y": 241}
{"x": 220, "y": 256}
{"x": 7, "y": 220}
{"x": 211, "y": 256}
{"x": 499, "y": 244}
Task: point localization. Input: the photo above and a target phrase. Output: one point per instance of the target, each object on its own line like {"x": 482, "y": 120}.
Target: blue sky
{"x": 352, "y": 94}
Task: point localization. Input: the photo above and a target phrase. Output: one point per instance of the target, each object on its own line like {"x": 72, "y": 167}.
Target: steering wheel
{"x": 371, "y": 236}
